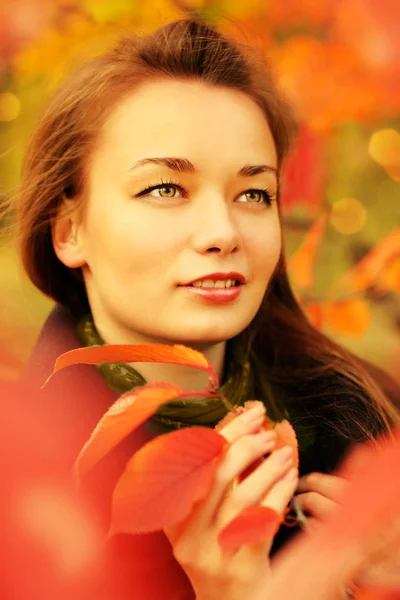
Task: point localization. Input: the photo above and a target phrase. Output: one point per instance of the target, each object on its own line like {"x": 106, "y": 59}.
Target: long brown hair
{"x": 305, "y": 365}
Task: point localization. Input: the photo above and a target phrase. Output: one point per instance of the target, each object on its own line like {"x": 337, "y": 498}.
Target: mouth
{"x": 213, "y": 293}
{"x": 217, "y": 280}
{"x": 211, "y": 285}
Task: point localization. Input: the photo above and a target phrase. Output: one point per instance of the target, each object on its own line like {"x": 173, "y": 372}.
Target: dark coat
{"x": 62, "y": 416}
{"x": 57, "y": 421}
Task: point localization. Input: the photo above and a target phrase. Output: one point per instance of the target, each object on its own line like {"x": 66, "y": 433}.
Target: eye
{"x": 169, "y": 187}
{"x": 258, "y": 196}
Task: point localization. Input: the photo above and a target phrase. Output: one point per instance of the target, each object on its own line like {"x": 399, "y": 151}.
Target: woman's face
{"x": 136, "y": 247}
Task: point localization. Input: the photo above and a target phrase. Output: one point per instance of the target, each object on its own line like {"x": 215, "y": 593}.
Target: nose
{"x": 216, "y": 229}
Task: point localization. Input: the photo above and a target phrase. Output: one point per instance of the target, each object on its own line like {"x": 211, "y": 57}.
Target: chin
{"x": 207, "y": 338}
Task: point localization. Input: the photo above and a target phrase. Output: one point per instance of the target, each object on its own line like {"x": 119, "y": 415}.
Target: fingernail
{"x": 283, "y": 455}
{"x": 254, "y": 413}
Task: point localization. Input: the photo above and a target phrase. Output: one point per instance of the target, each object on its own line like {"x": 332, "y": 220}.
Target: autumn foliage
{"x": 345, "y": 309}
{"x": 337, "y": 62}
{"x": 179, "y": 468}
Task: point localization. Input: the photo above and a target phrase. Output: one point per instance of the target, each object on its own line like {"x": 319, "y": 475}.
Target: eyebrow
{"x": 183, "y": 165}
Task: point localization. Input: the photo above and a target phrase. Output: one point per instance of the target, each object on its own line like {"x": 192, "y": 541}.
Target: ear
{"x": 65, "y": 233}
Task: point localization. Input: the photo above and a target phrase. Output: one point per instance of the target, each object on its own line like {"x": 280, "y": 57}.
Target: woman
{"x": 156, "y": 167}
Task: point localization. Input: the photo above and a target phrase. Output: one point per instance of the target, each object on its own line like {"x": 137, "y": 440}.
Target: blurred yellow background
{"x": 338, "y": 62}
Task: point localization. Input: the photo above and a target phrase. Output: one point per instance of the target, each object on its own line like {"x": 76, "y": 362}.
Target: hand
{"x": 272, "y": 483}
{"x": 319, "y": 495}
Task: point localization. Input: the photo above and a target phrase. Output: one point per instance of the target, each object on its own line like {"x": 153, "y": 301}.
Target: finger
{"x": 282, "y": 492}
{"x": 275, "y": 474}
{"x": 279, "y": 497}
{"x": 244, "y": 424}
{"x": 316, "y": 505}
{"x": 239, "y": 456}
{"x": 255, "y": 487}
{"x": 329, "y": 486}
{"x": 242, "y": 456}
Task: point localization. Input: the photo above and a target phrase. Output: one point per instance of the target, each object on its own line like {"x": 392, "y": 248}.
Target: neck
{"x": 188, "y": 378}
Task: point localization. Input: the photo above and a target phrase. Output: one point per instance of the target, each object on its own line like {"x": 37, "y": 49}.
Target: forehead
{"x": 187, "y": 117}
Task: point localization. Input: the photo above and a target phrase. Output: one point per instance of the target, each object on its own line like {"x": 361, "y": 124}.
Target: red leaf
{"x": 253, "y": 526}
{"x": 369, "y": 465}
{"x": 165, "y": 478}
{"x": 304, "y": 173}
{"x": 127, "y": 353}
{"x": 126, "y": 414}
{"x": 377, "y": 593}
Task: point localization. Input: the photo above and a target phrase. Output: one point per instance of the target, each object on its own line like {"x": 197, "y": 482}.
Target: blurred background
{"x": 338, "y": 62}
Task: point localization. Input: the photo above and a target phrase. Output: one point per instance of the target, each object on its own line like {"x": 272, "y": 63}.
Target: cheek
{"x": 126, "y": 244}
{"x": 264, "y": 248}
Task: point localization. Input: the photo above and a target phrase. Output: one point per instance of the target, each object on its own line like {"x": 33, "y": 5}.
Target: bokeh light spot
{"x": 103, "y": 10}
{"x": 384, "y": 147}
{"x": 348, "y": 216}
{"x": 10, "y": 107}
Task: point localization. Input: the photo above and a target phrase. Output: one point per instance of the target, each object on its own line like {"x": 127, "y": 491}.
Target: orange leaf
{"x": 348, "y": 317}
{"x": 125, "y": 415}
{"x": 286, "y": 436}
{"x": 314, "y": 313}
{"x": 302, "y": 263}
{"x": 127, "y": 353}
{"x": 390, "y": 276}
{"x": 165, "y": 478}
{"x": 252, "y": 526}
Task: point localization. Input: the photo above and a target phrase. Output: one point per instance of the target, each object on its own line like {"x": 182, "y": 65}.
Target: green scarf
{"x": 241, "y": 381}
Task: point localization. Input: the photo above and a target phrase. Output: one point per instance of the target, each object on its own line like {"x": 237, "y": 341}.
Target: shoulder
{"x": 69, "y": 406}
{"x": 56, "y": 336}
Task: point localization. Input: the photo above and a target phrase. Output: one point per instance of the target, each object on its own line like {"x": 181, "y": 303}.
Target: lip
{"x": 220, "y": 295}
{"x": 219, "y": 277}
